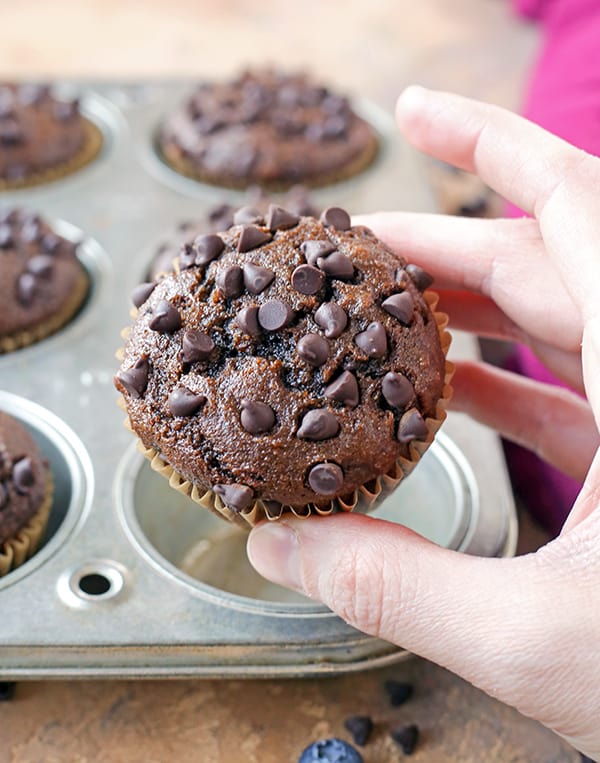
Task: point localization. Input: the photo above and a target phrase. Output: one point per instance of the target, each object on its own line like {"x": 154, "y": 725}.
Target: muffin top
{"x": 37, "y": 130}
{"x": 39, "y": 271}
{"x": 267, "y": 128}
{"x": 23, "y": 477}
{"x": 290, "y": 359}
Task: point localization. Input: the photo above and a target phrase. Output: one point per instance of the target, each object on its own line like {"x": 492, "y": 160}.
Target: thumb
{"x": 489, "y": 620}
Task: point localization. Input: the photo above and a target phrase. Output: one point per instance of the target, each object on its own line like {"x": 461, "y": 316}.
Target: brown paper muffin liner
{"x": 361, "y": 500}
{"x": 352, "y": 168}
{"x": 40, "y": 331}
{"x": 92, "y": 144}
{"x": 17, "y": 550}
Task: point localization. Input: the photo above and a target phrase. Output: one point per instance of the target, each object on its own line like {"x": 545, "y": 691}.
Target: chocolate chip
{"x": 335, "y": 127}
{"x": 312, "y": 250}
{"x": 401, "y": 278}
{"x": 335, "y": 104}
{"x": 398, "y": 692}
{"x": 183, "y": 402}
{"x": 66, "y": 110}
{"x": 332, "y": 319}
{"x": 30, "y": 94}
{"x": 360, "y": 726}
{"x": 274, "y": 315}
{"x": 373, "y": 341}
{"x": 335, "y": 217}
{"x": 11, "y": 133}
{"x": 407, "y": 737}
{"x": 25, "y": 288}
{"x": 257, "y": 278}
{"x": 247, "y": 216}
{"x": 318, "y": 424}
{"x": 326, "y": 479}
{"x": 135, "y": 379}
{"x": 247, "y": 320}
{"x": 307, "y": 280}
{"x": 230, "y": 281}
{"x": 279, "y": 218}
{"x": 141, "y": 293}
{"x": 49, "y": 243}
{"x": 32, "y": 229}
{"x": 397, "y": 390}
{"x": 23, "y": 476}
{"x": 208, "y": 247}
{"x": 314, "y": 132}
{"x": 222, "y": 216}
{"x": 251, "y": 237}
{"x": 336, "y": 265}
{"x": 6, "y": 237}
{"x": 401, "y": 306}
{"x": 412, "y": 427}
{"x": 235, "y": 497}
{"x": 187, "y": 257}
{"x": 41, "y": 265}
{"x": 166, "y": 318}
{"x": 344, "y": 389}
{"x": 314, "y": 349}
{"x": 421, "y": 278}
{"x": 196, "y": 345}
{"x": 256, "y": 417}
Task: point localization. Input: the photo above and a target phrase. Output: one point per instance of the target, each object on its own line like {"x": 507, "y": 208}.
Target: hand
{"x": 525, "y": 630}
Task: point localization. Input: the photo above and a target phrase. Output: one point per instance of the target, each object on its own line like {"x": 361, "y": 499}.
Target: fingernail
{"x": 412, "y": 98}
{"x": 273, "y": 552}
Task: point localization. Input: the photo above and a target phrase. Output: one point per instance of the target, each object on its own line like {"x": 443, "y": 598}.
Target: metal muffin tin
{"x": 134, "y": 579}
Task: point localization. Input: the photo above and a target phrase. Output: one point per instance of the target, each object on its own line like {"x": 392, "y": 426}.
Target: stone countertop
{"x": 470, "y": 46}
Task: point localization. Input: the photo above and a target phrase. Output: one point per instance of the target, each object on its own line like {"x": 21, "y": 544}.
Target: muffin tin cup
{"x": 131, "y": 579}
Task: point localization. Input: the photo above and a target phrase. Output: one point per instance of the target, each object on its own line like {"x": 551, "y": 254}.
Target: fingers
{"x": 554, "y": 423}
{"x": 504, "y": 260}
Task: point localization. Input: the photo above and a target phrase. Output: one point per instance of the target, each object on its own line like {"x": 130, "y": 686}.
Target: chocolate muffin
{"x": 25, "y": 494}
{"x": 288, "y": 365}
{"x": 41, "y": 136}
{"x": 42, "y": 283}
{"x": 219, "y": 218}
{"x": 267, "y": 128}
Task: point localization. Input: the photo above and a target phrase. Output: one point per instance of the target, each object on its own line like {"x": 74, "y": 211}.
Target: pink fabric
{"x": 563, "y": 97}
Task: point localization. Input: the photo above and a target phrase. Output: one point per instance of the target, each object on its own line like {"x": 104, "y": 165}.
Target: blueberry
{"x": 330, "y": 751}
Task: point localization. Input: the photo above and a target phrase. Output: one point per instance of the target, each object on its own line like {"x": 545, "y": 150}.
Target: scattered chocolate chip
{"x": 183, "y": 402}
{"x": 195, "y": 346}
{"x": 335, "y": 104}
{"x": 280, "y": 219}
{"x": 336, "y": 265}
{"x": 41, "y": 265}
{"x": 318, "y": 424}
{"x": 23, "y": 476}
{"x": 335, "y": 217}
{"x": 135, "y": 379}
{"x": 208, "y": 247}
{"x": 398, "y": 692}
{"x": 25, "y": 288}
{"x": 411, "y": 427}
{"x": 314, "y": 349}
{"x": 332, "y": 319}
{"x": 257, "y": 278}
{"x": 65, "y": 110}
{"x": 407, "y": 737}
{"x": 222, "y": 216}
{"x": 397, "y": 390}
{"x": 330, "y": 751}
{"x": 247, "y": 320}
{"x": 30, "y": 94}
{"x": 187, "y": 257}
{"x": 360, "y": 726}
{"x": 326, "y": 479}
{"x": 373, "y": 341}
{"x": 6, "y": 237}
{"x": 49, "y": 243}
{"x": 230, "y": 281}
{"x": 256, "y": 417}
{"x": 166, "y": 319}
{"x": 314, "y": 132}
{"x": 235, "y": 497}
{"x": 401, "y": 278}
{"x": 247, "y": 216}
{"x": 312, "y": 250}
{"x": 141, "y": 293}
{"x": 274, "y": 315}
{"x": 335, "y": 127}
{"x": 421, "y": 278}
{"x": 344, "y": 389}
{"x": 32, "y": 228}
{"x": 401, "y": 306}
{"x": 251, "y": 237}
{"x": 307, "y": 280}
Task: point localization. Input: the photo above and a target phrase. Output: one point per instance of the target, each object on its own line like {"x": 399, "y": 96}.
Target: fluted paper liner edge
{"x": 361, "y": 500}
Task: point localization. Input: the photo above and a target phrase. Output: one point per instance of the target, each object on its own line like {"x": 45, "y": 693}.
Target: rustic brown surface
{"x": 472, "y": 46}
